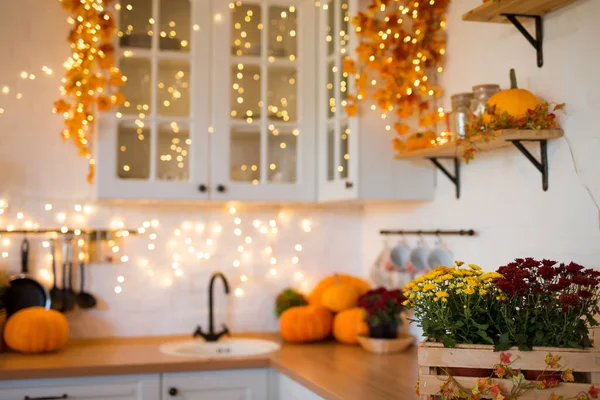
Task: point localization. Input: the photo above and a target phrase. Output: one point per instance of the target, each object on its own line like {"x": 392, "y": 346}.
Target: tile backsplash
{"x": 158, "y": 283}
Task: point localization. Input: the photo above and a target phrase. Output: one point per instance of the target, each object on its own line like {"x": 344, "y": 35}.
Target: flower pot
{"x": 384, "y": 331}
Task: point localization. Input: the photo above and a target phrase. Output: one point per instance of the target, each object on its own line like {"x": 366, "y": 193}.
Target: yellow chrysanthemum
{"x": 448, "y": 277}
{"x": 428, "y": 287}
{"x": 483, "y": 292}
{"x": 442, "y": 294}
{"x": 475, "y": 267}
{"x": 459, "y": 263}
{"x": 469, "y": 290}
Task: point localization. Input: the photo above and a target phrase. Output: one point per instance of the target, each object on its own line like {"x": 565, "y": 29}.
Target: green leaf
{"x": 449, "y": 341}
{"x": 480, "y": 326}
{"x": 485, "y": 336}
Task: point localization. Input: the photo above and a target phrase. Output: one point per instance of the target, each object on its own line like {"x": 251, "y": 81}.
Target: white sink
{"x": 222, "y": 349}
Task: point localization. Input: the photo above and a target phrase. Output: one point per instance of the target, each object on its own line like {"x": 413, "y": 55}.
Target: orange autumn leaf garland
{"x": 401, "y": 51}
{"x": 91, "y": 80}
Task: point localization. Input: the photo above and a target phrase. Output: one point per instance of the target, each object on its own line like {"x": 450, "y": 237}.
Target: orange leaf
{"x": 401, "y": 129}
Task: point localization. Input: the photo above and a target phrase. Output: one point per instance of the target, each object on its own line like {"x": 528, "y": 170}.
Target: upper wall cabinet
{"x": 219, "y": 102}
{"x": 157, "y": 145}
{"x": 356, "y": 159}
{"x": 243, "y": 100}
{"x": 263, "y": 100}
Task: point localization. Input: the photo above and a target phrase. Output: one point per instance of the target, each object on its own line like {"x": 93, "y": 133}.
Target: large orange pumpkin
{"x": 349, "y": 324}
{"x": 340, "y": 297}
{"x": 305, "y": 324}
{"x": 316, "y": 296}
{"x": 36, "y": 330}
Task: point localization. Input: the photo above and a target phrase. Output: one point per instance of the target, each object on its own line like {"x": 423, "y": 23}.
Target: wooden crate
{"x": 433, "y": 356}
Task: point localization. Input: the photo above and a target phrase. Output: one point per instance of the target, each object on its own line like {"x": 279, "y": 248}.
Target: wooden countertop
{"x": 331, "y": 370}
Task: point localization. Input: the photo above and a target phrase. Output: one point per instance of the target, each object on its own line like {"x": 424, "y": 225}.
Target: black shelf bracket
{"x": 541, "y": 165}
{"x": 454, "y": 179}
{"x": 536, "y": 42}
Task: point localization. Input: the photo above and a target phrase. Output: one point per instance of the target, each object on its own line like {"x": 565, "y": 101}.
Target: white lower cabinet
{"x": 242, "y": 384}
{"x": 239, "y": 384}
{"x": 123, "y": 387}
{"x": 284, "y": 388}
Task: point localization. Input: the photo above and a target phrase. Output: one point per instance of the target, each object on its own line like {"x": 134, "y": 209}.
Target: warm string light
{"x": 91, "y": 79}
{"x": 406, "y": 84}
{"x": 192, "y": 241}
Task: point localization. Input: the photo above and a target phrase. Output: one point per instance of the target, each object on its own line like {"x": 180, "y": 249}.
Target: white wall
{"x": 502, "y": 196}
{"x": 36, "y": 168}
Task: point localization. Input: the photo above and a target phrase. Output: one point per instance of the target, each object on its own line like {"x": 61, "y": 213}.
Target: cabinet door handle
{"x": 64, "y": 396}
{"x": 349, "y": 185}
{"x": 202, "y": 188}
{"x": 173, "y": 392}
{"x": 221, "y": 188}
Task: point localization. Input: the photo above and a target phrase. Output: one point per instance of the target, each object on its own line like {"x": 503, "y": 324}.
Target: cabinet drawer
{"x": 242, "y": 384}
{"x": 134, "y": 387}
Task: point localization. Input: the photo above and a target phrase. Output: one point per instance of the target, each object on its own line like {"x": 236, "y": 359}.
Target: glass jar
{"x": 461, "y": 113}
{"x": 481, "y": 94}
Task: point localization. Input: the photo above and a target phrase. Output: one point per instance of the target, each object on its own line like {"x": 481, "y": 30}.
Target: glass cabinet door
{"x": 338, "y": 134}
{"x": 156, "y": 145}
{"x": 262, "y": 140}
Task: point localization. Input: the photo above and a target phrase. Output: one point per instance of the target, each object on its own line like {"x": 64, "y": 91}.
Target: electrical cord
{"x": 585, "y": 185}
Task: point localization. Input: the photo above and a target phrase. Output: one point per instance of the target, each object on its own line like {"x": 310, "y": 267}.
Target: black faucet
{"x": 213, "y": 336}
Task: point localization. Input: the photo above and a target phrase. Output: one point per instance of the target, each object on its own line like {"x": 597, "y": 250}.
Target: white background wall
{"x": 501, "y": 193}
{"x": 502, "y": 197}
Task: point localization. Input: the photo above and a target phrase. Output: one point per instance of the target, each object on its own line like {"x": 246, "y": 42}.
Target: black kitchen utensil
{"x": 24, "y": 291}
{"x": 56, "y": 295}
{"x": 69, "y": 297}
{"x": 84, "y": 299}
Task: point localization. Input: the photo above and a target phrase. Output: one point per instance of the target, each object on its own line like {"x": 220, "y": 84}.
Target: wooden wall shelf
{"x": 504, "y": 138}
{"x": 515, "y": 11}
{"x": 495, "y": 11}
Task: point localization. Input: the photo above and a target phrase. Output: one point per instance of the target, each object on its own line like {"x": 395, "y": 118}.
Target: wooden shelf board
{"x": 502, "y": 140}
{"x": 491, "y": 11}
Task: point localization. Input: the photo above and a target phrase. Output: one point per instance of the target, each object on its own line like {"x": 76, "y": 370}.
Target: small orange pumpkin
{"x": 36, "y": 330}
{"x": 305, "y": 324}
{"x": 316, "y": 296}
{"x": 340, "y": 296}
{"x": 516, "y": 102}
{"x": 349, "y": 324}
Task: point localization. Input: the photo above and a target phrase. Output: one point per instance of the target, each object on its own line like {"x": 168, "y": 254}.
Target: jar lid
{"x": 487, "y": 86}
{"x": 461, "y": 96}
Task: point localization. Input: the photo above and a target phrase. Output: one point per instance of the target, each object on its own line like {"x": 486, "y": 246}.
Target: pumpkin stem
{"x": 337, "y": 279}
{"x": 513, "y": 79}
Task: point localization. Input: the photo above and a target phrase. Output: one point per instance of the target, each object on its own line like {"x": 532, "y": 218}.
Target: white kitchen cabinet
{"x": 126, "y": 387}
{"x": 285, "y": 388}
{"x": 219, "y": 103}
{"x": 356, "y": 159}
{"x": 263, "y": 100}
{"x": 156, "y": 146}
{"x": 243, "y": 100}
{"x": 242, "y": 384}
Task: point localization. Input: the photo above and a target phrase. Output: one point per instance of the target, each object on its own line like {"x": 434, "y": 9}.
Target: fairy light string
{"x": 401, "y": 51}
{"x": 91, "y": 79}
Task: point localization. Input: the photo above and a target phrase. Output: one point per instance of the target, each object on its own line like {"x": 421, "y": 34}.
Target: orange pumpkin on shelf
{"x": 349, "y": 324}
{"x": 305, "y": 324}
{"x": 421, "y": 140}
{"x": 36, "y": 330}
{"x": 516, "y": 102}
{"x": 316, "y": 296}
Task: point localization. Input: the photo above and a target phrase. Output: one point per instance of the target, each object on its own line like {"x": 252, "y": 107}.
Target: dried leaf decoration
{"x": 401, "y": 51}
{"x": 91, "y": 79}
